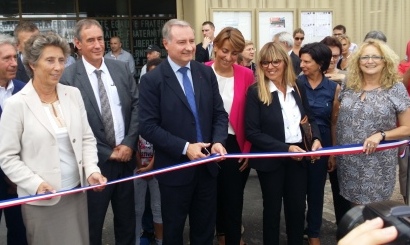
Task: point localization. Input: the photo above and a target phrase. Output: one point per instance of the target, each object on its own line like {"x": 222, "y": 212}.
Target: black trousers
{"x": 121, "y": 196}
{"x": 341, "y": 205}
{"x": 196, "y": 199}
{"x": 231, "y": 184}
{"x": 288, "y": 182}
{"x": 16, "y": 231}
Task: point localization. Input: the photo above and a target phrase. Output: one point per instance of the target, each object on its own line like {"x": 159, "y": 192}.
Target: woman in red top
{"x": 233, "y": 81}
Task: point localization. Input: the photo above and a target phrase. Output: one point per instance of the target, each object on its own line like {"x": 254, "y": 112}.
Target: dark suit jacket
{"x": 264, "y": 126}
{"x": 166, "y": 119}
{"x": 21, "y": 72}
{"x": 18, "y": 85}
{"x": 76, "y": 75}
{"x": 201, "y": 54}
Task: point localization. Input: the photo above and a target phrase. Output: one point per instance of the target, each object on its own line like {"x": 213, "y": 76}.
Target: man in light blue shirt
{"x": 117, "y": 53}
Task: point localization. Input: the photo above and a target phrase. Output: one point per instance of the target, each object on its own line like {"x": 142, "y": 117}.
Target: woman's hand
{"x": 370, "y": 232}
{"x": 316, "y": 145}
{"x": 244, "y": 164}
{"x": 295, "y": 148}
{"x": 97, "y": 179}
{"x": 371, "y": 143}
{"x": 331, "y": 164}
{"x": 45, "y": 188}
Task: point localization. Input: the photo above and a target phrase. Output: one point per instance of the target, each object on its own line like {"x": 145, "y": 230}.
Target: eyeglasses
{"x": 366, "y": 58}
{"x": 299, "y": 38}
{"x": 275, "y": 63}
{"x": 336, "y": 57}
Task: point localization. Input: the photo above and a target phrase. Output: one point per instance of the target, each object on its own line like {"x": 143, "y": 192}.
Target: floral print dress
{"x": 368, "y": 178}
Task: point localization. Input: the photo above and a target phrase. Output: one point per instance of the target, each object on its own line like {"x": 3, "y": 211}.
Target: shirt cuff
{"x": 185, "y": 148}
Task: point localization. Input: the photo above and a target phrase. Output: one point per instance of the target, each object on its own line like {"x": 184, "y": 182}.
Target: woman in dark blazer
{"x": 273, "y": 111}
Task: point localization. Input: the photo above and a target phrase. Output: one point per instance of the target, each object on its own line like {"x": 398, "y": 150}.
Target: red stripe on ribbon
{"x": 329, "y": 151}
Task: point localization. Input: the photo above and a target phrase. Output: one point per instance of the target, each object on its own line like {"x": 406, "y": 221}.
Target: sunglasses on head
{"x": 299, "y": 38}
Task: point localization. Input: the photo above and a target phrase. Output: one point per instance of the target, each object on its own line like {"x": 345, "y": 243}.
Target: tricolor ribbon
{"x": 328, "y": 151}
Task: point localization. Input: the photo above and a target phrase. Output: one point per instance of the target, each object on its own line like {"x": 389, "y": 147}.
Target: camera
{"x": 393, "y": 214}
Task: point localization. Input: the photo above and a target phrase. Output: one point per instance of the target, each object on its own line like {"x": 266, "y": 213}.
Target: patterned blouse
{"x": 368, "y": 178}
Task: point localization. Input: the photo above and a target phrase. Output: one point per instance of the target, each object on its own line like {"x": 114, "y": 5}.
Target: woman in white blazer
{"x": 47, "y": 145}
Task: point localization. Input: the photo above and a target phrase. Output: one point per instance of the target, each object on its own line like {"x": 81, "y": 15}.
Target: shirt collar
{"x": 90, "y": 68}
{"x": 10, "y": 86}
{"x": 273, "y": 88}
{"x": 176, "y": 67}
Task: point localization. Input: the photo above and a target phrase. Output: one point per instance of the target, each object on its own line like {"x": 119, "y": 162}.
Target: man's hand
{"x": 194, "y": 151}
{"x": 97, "y": 179}
{"x": 121, "y": 153}
{"x": 206, "y": 42}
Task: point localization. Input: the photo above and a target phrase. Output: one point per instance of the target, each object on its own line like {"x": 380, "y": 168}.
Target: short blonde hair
{"x": 269, "y": 52}
{"x": 389, "y": 73}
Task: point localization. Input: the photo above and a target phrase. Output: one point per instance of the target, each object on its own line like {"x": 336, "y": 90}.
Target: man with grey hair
{"x": 285, "y": 39}
{"x": 111, "y": 101}
{"x": 16, "y": 232}
{"x": 182, "y": 115}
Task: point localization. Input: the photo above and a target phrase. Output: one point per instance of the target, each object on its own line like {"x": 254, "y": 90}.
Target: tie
{"x": 106, "y": 111}
{"x": 210, "y": 49}
{"x": 189, "y": 93}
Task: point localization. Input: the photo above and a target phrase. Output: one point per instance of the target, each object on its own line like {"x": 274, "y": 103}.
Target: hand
{"x": 218, "y": 148}
{"x": 194, "y": 151}
{"x": 331, "y": 164}
{"x": 206, "y": 42}
{"x": 124, "y": 153}
{"x": 316, "y": 146}
{"x": 295, "y": 148}
{"x": 45, "y": 188}
{"x": 97, "y": 179}
{"x": 144, "y": 169}
{"x": 370, "y": 232}
{"x": 244, "y": 164}
{"x": 370, "y": 144}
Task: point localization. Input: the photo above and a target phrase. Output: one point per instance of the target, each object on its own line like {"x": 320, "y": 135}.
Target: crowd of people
{"x": 66, "y": 124}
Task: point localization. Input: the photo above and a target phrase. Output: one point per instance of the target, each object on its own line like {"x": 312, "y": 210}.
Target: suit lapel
{"x": 33, "y": 102}
{"x": 63, "y": 97}
{"x": 83, "y": 82}
{"x": 298, "y": 100}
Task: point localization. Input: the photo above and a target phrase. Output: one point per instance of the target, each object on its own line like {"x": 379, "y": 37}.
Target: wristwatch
{"x": 383, "y": 135}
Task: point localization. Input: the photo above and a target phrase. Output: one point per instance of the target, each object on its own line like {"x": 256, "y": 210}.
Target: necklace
{"x": 55, "y": 98}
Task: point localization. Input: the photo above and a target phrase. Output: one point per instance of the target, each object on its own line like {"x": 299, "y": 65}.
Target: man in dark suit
{"x": 286, "y": 40}
{"x": 111, "y": 99}
{"x": 23, "y": 31}
{"x": 182, "y": 114}
{"x": 205, "y": 48}
{"x": 16, "y": 232}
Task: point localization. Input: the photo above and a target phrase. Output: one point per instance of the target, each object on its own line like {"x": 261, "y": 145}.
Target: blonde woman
{"x": 346, "y": 53}
{"x": 371, "y": 104}
{"x": 273, "y": 111}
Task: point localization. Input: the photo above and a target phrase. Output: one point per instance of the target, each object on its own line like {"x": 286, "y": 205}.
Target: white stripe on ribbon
{"x": 328, "y": 151}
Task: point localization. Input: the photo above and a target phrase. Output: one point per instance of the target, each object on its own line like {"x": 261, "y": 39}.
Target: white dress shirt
{"x": 291, "y": 114}
{"x": 5, "y": 93}
{"x": 112, "y": 94}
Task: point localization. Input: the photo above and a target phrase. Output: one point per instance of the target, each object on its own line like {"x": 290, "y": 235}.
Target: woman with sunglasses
{"x": 371, "y": 104}
{"x": 274, "y": 108}
{"x": 298, "y": 37}
{"x": 322, "y": 97}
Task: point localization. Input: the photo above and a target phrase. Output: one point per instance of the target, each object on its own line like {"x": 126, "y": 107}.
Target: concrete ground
{"x": 252, "y": 218}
